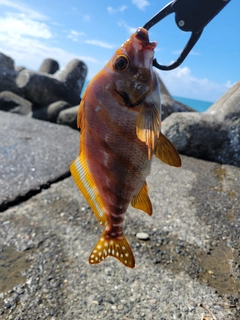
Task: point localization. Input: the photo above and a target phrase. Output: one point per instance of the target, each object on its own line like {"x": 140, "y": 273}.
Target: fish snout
{"x": 142, "y": 36}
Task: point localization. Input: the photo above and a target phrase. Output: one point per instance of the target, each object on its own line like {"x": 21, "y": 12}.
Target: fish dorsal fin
{"x": 142, "y": 201}
{"x": 87, "y": 186}
{"x": 148, "y": 123}
{"x": 117, "y": 248}
{"x": 166, "y": 152}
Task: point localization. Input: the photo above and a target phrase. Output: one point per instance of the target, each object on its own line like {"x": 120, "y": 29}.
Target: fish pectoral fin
{"x": 142, "y": 201}
{"x": 117, "y": 248}
{"x": 86, "y": 184}
{"x": 166, "y": 152}
{"x": 147, "y": 128}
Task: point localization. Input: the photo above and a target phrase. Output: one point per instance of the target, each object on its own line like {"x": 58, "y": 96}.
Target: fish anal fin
{"x": 166, "y": 152}
{"x": 118, "y": 248}
{"x": 147, "y": 128}
{"x": 86, "y": 184}
{"x": 142, "y": 201}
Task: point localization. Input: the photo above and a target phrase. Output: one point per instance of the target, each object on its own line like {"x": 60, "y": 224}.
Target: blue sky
{"x": 91, "y": 30}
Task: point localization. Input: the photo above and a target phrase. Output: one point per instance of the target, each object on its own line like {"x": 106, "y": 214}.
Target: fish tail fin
{"x": 118, "y": 248}
{"x": 166, "y": 152}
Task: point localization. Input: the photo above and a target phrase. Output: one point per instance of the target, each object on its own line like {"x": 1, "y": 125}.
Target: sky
{"x": 91, "y": 30}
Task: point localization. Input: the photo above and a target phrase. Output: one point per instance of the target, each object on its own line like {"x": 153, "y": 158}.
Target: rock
{"x": 213, "y": 135}
{"x": 43, "y": 89}
{"x": 73, "y": 76}
{"x": 19, "y": 68}
{"x": 8, "y": 80}
{"x": 195, "y": 134}
{"x": 6, "y": 62}
{"x": 228, "y": 106}
{"x": 11, "y": 102}
{"x": 51, "y": 112}
{"x": 68, "y": 117}
{"x": 49, "y": 66}
{"x": 169, "y": 105}
{"x": 142, "y": 236}
{"x": 7, "y": 75}
{"x": 40, "y": 113}
{"x": 55, "y": 108}
{"x": 33, "y": 154}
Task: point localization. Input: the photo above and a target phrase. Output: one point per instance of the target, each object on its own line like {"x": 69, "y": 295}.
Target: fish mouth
{"x": 127, "y": 100}
{"x": 142, "y": 36}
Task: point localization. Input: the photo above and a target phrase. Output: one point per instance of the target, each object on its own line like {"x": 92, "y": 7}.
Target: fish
{"x": 119, "y": 118}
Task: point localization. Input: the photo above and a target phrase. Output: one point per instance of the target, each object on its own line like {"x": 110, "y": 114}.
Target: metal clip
{"x": 190, "y": 15}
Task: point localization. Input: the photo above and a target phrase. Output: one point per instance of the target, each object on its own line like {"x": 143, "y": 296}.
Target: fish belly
{"x": 116, "y": 158}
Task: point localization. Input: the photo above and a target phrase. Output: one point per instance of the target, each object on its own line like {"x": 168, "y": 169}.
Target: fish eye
{"x": 121, "y": 63}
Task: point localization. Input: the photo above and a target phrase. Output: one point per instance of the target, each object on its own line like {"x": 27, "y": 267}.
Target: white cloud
{"x": 31, "y": 14}
{"x": 141, "y": 4}
{"x": 19, "y": 24}
{"x": 129, "y": 29}
{"x": 100, "y": 44}
{"x": 25, "y": 35}
{"x": 112, "y": 10}
{"x": 31, "y": 52}
{"x": 75, "y": 35}
{"x": 191, "y": 53}
{"x": 181, "y": 82}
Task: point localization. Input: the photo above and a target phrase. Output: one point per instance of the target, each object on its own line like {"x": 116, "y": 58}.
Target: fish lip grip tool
{"x": 191, "y": 16}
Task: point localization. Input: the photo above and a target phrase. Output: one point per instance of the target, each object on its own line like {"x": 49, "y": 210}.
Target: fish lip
{"x": 128, "y": 102}
{"x": 142, "y": 36}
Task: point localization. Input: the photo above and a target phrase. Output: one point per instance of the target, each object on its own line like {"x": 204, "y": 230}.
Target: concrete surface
{"x": 192, "y": 256}
{"x": 33, "y": 154}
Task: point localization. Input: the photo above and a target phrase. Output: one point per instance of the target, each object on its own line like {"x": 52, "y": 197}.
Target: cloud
{"x": 26, "y": 36}
{"x": 75, "y": 35}
{"x": 29, "y": 51}
{"x": 100, "y": 44}
{"x": 191, "y": 53}
{"x": 112, "y": 10}
{"x": 181, "y": 82}
{"x": 30, "y": 13}
{"x": 141, "y": 4}
{"x": 19, "y": 24}
{"x": 129, "y": 29}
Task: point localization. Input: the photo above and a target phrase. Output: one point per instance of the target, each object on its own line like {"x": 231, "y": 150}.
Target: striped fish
{"x": 119, "y": 119}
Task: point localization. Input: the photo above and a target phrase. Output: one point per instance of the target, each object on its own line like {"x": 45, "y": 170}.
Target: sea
{"x": 198, "y": 105}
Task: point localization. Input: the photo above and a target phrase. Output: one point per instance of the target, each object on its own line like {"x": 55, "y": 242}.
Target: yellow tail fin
{"x": 166, "y": 152}
{"x": 117, "y": 248}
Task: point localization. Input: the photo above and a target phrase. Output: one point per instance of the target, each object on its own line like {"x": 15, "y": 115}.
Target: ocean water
{"x": 198, "y": 105}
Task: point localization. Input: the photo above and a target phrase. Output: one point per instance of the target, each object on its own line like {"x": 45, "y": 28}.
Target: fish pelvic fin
{"x": 142, "y": 201}
{"x": 87, "y": 186}
{"x": 147, "y": 128}
{"x": 118, "y": 248}
{"x": 166, "y": 152}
